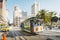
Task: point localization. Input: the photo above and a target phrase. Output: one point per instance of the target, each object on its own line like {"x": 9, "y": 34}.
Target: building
{"x": 35, "y": 9}
{"x": 24, "y": 15}
{"x": 17, "y": 16}
{"x": 3, "y": 12}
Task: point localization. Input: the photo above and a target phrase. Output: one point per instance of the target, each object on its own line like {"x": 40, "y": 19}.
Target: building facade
{"x": 24, "y": 15}
{"x": 35, "y": 9}
{"x": 3, "y": 12}
{"x": 17, "y": 16}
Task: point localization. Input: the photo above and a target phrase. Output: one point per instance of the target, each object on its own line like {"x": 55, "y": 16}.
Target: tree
{"x": 41, "y": 14}
{"x": 38, "y": 15}
{"x": 47, "y": 16}
{"x": 54, "y": 19}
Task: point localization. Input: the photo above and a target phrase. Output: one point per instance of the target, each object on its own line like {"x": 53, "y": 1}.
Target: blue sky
{"x": 53, "y": 5}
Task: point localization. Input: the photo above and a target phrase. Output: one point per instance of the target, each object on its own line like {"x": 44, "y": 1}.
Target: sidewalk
{"x": 55, "y": 30}
{"x": 50, "y": 33}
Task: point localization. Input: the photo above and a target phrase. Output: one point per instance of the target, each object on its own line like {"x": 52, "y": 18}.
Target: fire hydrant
{"x": 4, "y": 37}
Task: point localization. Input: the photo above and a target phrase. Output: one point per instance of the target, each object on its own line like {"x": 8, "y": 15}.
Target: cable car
{"x": 33, "y": 25}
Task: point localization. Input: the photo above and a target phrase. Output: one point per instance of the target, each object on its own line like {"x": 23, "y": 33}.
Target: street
{"x": 21, "y": 35}
{"x": 16, "y": 34}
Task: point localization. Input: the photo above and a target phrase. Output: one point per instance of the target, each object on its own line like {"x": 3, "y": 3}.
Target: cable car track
{"x": 19, "y": 36}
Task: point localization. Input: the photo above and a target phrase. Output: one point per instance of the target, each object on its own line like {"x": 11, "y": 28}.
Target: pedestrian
{"x": 5, "y": 36}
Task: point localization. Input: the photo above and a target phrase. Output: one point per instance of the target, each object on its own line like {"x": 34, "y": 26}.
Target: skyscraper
{"x": 17, "y": 16}
{"x": 35, "y": 9}
{"x": 3, "y": 12}
{"x": 24, "y": 15}
{"x": 1, "y": 2}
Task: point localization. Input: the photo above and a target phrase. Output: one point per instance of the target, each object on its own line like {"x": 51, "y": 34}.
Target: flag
{"x": 1, "y": 3}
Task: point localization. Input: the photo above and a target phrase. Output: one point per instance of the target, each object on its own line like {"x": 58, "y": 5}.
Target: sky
{"x": 52, "y": 5}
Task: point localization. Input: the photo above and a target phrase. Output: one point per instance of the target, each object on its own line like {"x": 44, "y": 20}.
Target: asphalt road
{"x": 21, "y": 35}
{"x": 15, "y": 35}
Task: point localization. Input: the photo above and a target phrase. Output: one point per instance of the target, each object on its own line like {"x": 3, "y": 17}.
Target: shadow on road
{"x": 19, "y": 33}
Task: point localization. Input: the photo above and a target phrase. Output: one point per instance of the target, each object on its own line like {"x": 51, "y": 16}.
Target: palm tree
{"x": 38, "y": 15}
{"x": 54, "y": 19}
{"x": 47, "y": 16}
{"x": 41, "y": 14}
{"x": 50, "y": 15}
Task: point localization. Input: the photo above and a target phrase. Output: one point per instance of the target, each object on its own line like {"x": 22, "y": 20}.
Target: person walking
{"x": 5, "y": 36}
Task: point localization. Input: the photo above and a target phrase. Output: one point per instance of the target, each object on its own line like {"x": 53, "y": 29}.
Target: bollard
{"x": 4, "y": 37}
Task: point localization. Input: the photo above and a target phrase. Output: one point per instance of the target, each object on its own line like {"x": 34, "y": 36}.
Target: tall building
{"x": 17, "y": 16}
{"x": 24, "y": 15}
{"x": 35, "y": 9}
{"x": 1, "y": 2}
{"x": 3, "y": 12}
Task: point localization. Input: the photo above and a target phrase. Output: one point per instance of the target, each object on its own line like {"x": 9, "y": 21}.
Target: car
{"x": 5, "y": 29}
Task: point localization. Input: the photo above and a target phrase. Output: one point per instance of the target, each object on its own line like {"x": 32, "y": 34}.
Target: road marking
{"x": 22, "y": 38}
